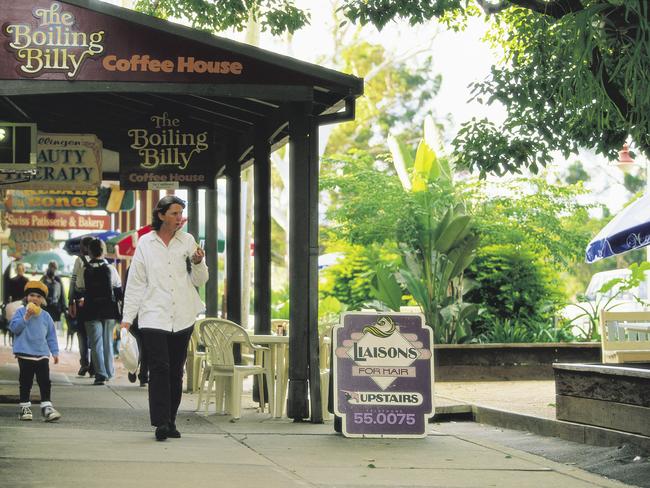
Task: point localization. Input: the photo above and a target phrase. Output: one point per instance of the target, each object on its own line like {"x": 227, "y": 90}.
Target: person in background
{"x": 75, "y": 300}
{"x": 56, "y": 302}
{"x": 16, "y": 285}
{"x": 101, "y": 288}
{"x": 34, "y": 341}
{"x": 167, "y": 266}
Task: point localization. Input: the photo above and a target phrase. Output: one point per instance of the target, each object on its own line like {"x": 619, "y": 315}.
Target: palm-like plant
{"x": 441, "y": 244}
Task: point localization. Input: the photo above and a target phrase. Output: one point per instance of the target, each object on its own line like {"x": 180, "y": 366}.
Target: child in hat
{"x": 35, "y": 339}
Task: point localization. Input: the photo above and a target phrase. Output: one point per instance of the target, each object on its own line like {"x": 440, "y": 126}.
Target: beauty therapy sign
{"x": 56, "y": 40}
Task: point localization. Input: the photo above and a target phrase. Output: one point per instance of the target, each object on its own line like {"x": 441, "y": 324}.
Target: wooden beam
{"x": 297, "y": 397}
{"x": 211, "y": 255}
{"x": 262, "y": 231}
{"x": 50, "y": 87}
{"x": 312, "y": 281}
{"x": 233, "y": 240}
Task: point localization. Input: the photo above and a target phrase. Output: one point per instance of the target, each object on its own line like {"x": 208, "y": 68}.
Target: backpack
{"x": 98, "y": 284}
{"x": 54, "y": 290}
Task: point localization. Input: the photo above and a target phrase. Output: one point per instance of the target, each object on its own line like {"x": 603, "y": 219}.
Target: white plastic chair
{"x": 195, "y": 362}
{"x": 218, "y": 335}
{"x": 325, "y": 347}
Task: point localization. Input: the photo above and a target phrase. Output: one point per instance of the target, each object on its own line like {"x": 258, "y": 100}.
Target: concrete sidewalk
{"x": 104, "y": 439}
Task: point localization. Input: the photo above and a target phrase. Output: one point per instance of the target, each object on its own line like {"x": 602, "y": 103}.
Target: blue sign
{"x": 383, "y": 374}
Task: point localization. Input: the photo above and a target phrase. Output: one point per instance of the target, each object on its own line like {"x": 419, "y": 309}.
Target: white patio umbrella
{"x": 629, "y": 230}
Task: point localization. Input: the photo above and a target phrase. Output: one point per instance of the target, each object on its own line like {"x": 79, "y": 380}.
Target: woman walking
{"x": 166, "y": 268}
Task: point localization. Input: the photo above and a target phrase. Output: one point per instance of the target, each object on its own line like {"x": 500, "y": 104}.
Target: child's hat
{"x": 36, "y": 287}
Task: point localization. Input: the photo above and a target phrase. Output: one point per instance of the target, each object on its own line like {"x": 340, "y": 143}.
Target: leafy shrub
{"x": 349, "y": 279}
{"x": 514, "y": 285}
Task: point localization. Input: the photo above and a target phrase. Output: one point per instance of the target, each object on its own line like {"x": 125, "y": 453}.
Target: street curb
{"x": 569, "y": 431}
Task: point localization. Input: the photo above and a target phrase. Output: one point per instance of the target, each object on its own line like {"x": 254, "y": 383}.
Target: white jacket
{"x": 159, "y": 289}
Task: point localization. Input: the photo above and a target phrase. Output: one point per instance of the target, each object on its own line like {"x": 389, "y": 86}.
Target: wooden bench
{"x": 625, "y": 337}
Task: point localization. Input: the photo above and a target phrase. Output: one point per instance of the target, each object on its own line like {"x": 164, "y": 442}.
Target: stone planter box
{"x": 612, "y": 396}
{"x": 503, "y": 362}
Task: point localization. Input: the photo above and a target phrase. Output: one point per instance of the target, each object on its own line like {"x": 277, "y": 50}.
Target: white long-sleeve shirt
{"x": 159, "y": 290}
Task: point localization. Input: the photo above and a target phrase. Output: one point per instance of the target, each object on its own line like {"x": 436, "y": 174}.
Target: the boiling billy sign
{"x": 383, "y": 375}
{"x": 167, "y": 151}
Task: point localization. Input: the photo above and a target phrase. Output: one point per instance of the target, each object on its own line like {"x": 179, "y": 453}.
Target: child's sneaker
{"x": 25, "y": 413}
{"x": 50, "y": 414}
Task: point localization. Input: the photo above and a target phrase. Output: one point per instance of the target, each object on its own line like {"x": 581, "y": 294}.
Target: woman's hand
{"x": 125, "y": 325}
{"x": 56, "y": 359}
{"x": 198, "y": 255}
{"x": 28, "y": 314}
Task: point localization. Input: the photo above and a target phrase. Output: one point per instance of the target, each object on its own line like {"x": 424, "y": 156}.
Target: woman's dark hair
{"x": 85, "y": 242}
{"x": 163, "y": 205}
{"x": 95, "y": 248}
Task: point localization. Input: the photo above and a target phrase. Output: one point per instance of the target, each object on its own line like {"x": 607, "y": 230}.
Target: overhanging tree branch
{"x": 557, "y": 8}
{"x": 613, "y": 93}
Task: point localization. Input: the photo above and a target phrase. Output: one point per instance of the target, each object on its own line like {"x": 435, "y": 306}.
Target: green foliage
{"x": 514, "y": 284}
{"x": 570, "y": 78}
{"x": 349, "y": 279}
{"x": 635, "y": 183}
{"x": 396, "y": 93}
{"x": 508, "y": 331}
{"x": 576, "y": 173}
{"x": 280, "y": 304}
{"x": 368, "y": 204}
{"x": 533, "y": 214}
{"x": 276, "y": 16}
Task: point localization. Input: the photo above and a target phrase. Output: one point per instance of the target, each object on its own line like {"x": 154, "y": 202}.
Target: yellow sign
{"x": 64, "y": 161}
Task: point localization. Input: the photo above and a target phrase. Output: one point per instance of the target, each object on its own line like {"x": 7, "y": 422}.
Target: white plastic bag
{"x": 10, "y": 309}
{"x": 128, "y": 351}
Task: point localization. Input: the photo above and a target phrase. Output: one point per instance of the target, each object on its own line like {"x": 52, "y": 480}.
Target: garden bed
{"x": 503, "y": 362}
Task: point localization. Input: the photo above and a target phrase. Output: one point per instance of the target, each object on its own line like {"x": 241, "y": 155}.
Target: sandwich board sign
{"x": 383, "y": 374}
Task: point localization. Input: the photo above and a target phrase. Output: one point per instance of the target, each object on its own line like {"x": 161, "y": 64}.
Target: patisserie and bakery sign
{"x": 64, "y": 161}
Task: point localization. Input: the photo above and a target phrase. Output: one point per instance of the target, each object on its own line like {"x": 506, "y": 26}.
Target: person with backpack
{"x": 101, "y": 291}
{"x": 56, "y": 303}
{"x": 167, "y": 267}
{"x": 75, "y": 305}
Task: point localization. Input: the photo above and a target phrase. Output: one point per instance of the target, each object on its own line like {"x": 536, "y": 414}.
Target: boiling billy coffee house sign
{"x": 167, "y": 151}
{"x": 383, "y": 375}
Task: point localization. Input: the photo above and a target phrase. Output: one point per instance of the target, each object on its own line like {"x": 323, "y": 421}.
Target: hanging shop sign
{"x": 109, "y": 199}
{"x": 60, "y": 41}
{"x": 58, "y": 220}
{"x": 64, "y": 161}
{"x": 383, "y": 374}
{"x": 168, "y": 151}
{"x": 24, "y": 240}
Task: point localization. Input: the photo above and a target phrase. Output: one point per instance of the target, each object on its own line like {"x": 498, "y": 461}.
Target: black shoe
{"x": 82, "y": 371}
{"x": 173, "y": 432}
{"x": 132, "y": 377}
{"x": 99, "y": 380}
{"x": 143, "y": 383}
{"x": 162, "y": 433}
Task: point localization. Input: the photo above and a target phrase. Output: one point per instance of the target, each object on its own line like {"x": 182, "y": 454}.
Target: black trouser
{"x": 82, "y": 337}
{"x": 166, "y": 353}
{"x": 29, "y": 368}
